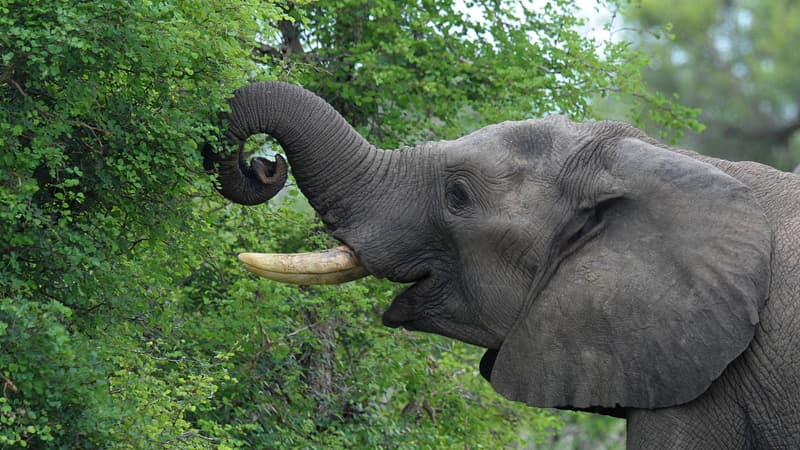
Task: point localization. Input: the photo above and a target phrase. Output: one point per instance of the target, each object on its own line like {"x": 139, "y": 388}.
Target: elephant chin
{"x": 334, "y": 266}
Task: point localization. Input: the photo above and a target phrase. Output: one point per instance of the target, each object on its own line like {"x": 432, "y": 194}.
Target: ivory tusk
{"x": 334, "y": 266}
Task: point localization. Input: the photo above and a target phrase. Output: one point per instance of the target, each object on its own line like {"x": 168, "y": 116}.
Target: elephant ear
{"x": 652, "y": 309}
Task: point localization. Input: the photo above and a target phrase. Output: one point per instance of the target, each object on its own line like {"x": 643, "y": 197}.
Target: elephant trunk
{"x": 334, "y": 167}
{"x": 322, "y": 148}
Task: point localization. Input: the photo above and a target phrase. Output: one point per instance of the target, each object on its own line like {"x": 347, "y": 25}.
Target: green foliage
{"x": 46, "y": 373}
{"x": 417, "y": 70}
{"x": 103, "y": 104}
{"x": 125, "y": 320}
{"x": 735, "y": 60}
{"x": 583, "y": 431}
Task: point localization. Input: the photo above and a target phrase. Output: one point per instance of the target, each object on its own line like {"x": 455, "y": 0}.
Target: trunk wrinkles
{"x": 329, "y": 158}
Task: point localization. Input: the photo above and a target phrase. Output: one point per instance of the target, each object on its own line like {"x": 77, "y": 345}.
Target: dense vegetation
{"x": 736, "y": 60}
{"x": 125, "y": 321}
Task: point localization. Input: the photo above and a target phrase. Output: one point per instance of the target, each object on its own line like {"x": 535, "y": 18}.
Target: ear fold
{"x": 651, "y": 310}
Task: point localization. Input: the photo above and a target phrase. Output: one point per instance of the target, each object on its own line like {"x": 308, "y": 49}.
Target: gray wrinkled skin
{"x": 602, "y": 270}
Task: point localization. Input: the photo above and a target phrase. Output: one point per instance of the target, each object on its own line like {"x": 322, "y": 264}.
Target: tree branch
{"x": 261, "y": 50}
{"x": 8, "y": 385}
{"x": 290, "y": 43}
{"x": 778, "y": 135}
{"x": 6, "y": 76}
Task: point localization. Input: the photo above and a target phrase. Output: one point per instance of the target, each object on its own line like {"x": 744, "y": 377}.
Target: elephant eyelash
{"x": 467, "y": 190}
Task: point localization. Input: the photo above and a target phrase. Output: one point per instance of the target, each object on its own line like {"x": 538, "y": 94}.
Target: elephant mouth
{"x": 333, "y": 266}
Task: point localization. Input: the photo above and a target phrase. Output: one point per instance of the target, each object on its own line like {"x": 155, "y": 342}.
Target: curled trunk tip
{"x": 242, "y": 182}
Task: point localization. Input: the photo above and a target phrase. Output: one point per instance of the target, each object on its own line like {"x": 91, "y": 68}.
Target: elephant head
{"x": 598, "y": 268}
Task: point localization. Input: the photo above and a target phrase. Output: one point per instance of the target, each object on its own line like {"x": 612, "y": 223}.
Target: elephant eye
{"x": 457, "y": 196}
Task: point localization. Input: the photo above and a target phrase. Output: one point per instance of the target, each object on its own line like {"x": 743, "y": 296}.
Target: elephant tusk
{"x": 334, "y": 266}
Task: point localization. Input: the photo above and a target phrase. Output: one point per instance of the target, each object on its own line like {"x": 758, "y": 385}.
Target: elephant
{"x": 601, "y": 270}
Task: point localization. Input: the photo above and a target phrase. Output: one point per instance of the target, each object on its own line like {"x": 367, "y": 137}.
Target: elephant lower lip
{"x": 404, "y": 325}
{"x": 403, "y": 311}
{"x": 393, "y": 324}
{"x": 392, "y": 317}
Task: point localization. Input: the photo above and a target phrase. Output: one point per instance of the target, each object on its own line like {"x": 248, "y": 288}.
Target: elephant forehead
{"x": 493, "y": 164}
{"x": 532, "y": 149}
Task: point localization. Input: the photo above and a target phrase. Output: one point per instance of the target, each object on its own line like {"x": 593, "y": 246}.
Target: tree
{"x": 736, "y": 61}
{"x": 124, "y": 318}
{"x": 103, "y": 104}
{"x": 420, "y": 70}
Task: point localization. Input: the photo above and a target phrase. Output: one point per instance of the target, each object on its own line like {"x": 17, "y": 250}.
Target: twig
{"x": 300, "y": 330}
{"x": 8, "y": 384}
{"x": 194, "y": 433}
{"x": 7, "y": 73}
{"x": 19, "y": 88}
